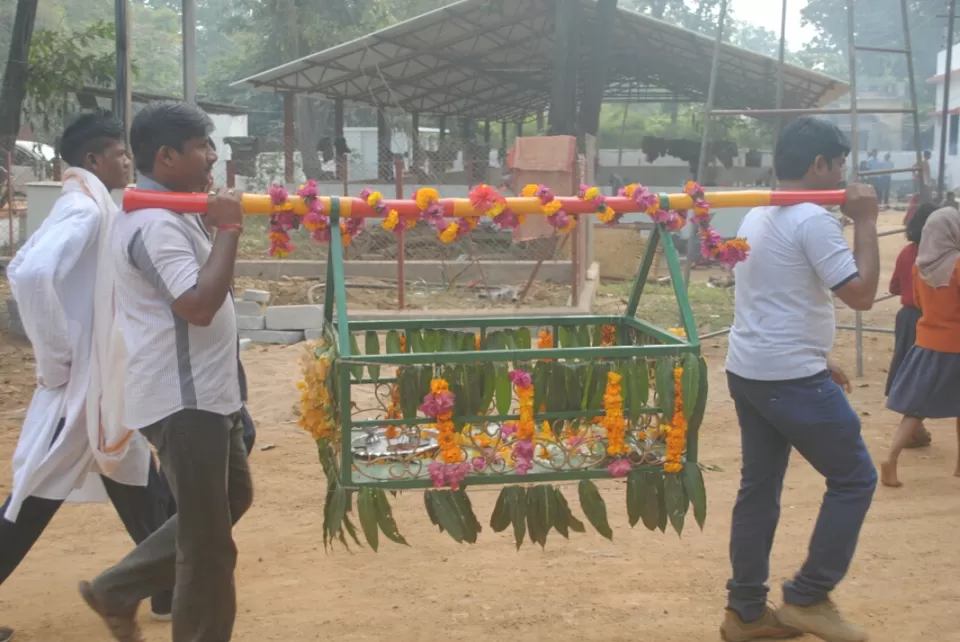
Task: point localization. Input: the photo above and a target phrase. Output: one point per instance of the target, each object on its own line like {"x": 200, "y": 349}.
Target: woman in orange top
{"x": 927, "y": 382}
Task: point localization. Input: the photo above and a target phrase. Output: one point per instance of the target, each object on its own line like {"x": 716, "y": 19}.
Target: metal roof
{"x": 142, "y": 98}
{"x": 493, "y": 61}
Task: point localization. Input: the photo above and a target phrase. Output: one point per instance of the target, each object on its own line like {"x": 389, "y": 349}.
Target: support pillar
{"x": 595, "y": 82}
{"x": 289, "y": 136}
{"x": 384, "y": 156}
{"x": 339, "y": 139}
{"x": 563, "y": 101}
{"x": 417, "y": 148}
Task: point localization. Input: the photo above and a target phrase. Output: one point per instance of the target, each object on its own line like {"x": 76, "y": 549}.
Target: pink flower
{"x": 544, "y": 194}
{"x": 523, "y": 450}
{"x": 559, "y": 220}
{"x": 448, "y": 474}
{"x": 573, "y": 442}
{"x": 322, "y": 234}
{"x": 309, "y": 191}
{"x": 522, "y": 466}
{"x": 710, "y": 241}
{"x": 438, "y": 404}
{"x": 508, "y": 429}
{"x": 286, "y": 220}
{"x": 479, "y": 463}
{"x": 506, "y": 220}
{"x": 619, "y": 467}
{"x": 355, "y": 225}
{"x": 521, "y": 378}
{"x": 365, "y": 194}
{"x": 644, "y": 198}
{"x": 278, "y": 194}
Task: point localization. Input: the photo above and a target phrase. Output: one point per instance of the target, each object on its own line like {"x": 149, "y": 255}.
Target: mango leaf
{"x": 425, "y": 376}
{"x": 540, "y": 378}
{"x": 503, "y": 392}
{"x": 597, "y": 335}
{"x": 414, "y": 341}
{"x": 385, "y": 518}
{"x": 556, "y": 400}
{"x": 563, "y": 340}
{"x": 583, "y": 336}
{"x": 536, "y": 528}
{"x": 639, "y": 383}
{"x": 696, "y": 491}
{"x": 351, "y": 531}
{"x": 696, "y": 417}
{"x": 690, "y": 384}
{"x": 471, "y": 526}
{"x": 501, "y": 513}
{"x": 594, "y": 508}
{"x": 373, "y": 347}
{"x": 574, "y": 373}
{"x": 517, "y": 505}
{"x": 665, "y": 393}
{"x": 661, "y": 502}
{"x": 355, "y": 371}
{"x": 561, "y": 513}
{"x": 510, "y": 343}
{"x": 524, "y": 341}
{"x": 676, "y": 500}
{"x": 333, "y": 517}
{"x": 408, "y": 382}
{"x": 431, "y": 509}
{"x": 449, "y": 342}
{"x": 449, "y": 515}
{"x": 642, "y": 500}
{"x": 367, "y": 508}
{"x": 573, "y": 523}
{"x": 393, "y": 342}
{"x": 473, "y": 387}
{"x": 598, "y": 385}
{"x": 489, "y": 383}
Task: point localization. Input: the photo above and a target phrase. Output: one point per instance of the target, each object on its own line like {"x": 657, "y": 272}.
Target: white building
{"x": 953, "y": 124}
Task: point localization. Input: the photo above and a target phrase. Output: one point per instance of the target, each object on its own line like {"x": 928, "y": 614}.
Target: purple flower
{"x": 522, "y": 466}
{"x": 523, "y": 450}
{"x": 521, "y": 378}
{"x": 559, "y": 220}
{"x": 451, "y": 475}
{"x": 438, "y": 404}
{"x": 506, "y": 220}
{"x": 309, "y": 191}
{"x": 365, "y": 194}
{"x": 619, "y": 467}
{"x": 508, "y": 429}
{"x": 644, "y": 198}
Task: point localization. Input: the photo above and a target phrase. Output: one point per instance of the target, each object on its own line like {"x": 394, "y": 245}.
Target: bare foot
{"x": 888, "y": 475}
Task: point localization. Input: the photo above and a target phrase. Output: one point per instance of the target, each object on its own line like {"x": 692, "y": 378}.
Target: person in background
{"x": 951, "y": 201}
{"x": 182, "y": 382}
{"x": 788, "y": 394}
{"x": 925, "y": 178}
{"x": 885, "y": 181}
{"x": 905, "y": 327}
{"x": 54, "y": 280}
{"x": 928, "y": 379}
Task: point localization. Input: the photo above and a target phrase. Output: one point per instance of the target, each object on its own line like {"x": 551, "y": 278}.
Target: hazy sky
{"x": 766, "y": 13}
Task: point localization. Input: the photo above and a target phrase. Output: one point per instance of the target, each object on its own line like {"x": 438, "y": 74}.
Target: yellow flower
{"x": 497, "y": 209}
{"x": 449, "y": 235}
{"x": 552, "y": 207}
{"x": 530, "y": 190}
{"x": 425, "y": 196}
{"x": 391, "y": 221}
{"x": 630, "y": 189}
{"x": 591, "y": 194}
{"x": 411, "y": 223}
{"x": 606, "y": 215}
{"x": 374, "y": 198}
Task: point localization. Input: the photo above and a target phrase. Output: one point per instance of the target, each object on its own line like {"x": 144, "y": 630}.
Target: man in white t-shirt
{"x": 788, "y": 395}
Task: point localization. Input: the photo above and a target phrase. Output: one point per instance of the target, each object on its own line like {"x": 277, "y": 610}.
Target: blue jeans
{"x": 814, "y": 416}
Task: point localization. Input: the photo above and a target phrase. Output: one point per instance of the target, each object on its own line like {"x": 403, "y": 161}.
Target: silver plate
{"x": 374, "y": 444}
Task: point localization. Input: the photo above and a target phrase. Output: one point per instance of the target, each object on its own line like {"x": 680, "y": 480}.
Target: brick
{"x": 274, "y": 337}
{"x": 247, "y": 308}
{"x": 294, "y": 317}
{"x": 245, "y": 344}
{"x": 245, "y": 322}
{"x": 257, "y": 296}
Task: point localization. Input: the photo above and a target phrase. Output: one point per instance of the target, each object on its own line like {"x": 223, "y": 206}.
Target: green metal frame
{"x": 335, "y": 313}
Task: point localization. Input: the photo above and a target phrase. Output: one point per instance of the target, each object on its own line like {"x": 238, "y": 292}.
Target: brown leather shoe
{"x": 122, "y": 622}
{"x": 822, "y": 620}
{"x": 768, "y": 627}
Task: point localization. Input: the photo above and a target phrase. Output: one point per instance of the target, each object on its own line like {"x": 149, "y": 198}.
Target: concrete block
{"x": 257, "y": 296}
{"x": 245, "y": 344}
{"x": 313, "y": 334}
{"x": 273, "y": 337}
{"x": 247, "y": 308}
{"x": 294, "y": 317}
{"x": 245, "y": 322}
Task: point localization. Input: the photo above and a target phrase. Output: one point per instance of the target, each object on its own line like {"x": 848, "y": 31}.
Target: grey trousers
{"x": 205, "y": 461}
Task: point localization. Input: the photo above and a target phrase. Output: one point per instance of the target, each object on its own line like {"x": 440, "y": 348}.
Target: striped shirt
{"x": 171, "y": 365}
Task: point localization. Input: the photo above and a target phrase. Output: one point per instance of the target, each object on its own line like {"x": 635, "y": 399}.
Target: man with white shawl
{"x": 73, "y": 446}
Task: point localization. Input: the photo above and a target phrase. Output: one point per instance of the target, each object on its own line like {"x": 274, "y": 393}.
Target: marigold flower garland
{"x": 551, "y": 208}
{"x": 604, "y": 212}
{"x": 315, "y": 403}
{"x": 391, "y": 220}
{"x": 438, "y": 403}
{"x": 712, "y": 245}
{"x": 526, "y": 430}
{"x": 283, "y": 219}
{"x": 486, "y": 199}
{"x": 677, "y": 431}
{"x": 616, "y": 426}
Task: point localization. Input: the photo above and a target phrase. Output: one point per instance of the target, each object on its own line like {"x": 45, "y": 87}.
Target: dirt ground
{"x": 903, "y": 584}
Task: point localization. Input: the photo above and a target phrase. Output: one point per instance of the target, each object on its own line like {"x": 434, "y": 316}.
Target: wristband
{"x": 232, "y": 226}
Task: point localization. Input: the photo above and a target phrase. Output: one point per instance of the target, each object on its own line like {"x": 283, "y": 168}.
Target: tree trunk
{"x": 14, "y": 88}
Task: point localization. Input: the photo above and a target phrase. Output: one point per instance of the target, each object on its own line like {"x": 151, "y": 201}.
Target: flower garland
{"x": 608, "y": 335}
{"x": 545, "y": 341}
{"x": 283, "y": 219}
{"x": 393, "y": 412}
{"x": 649, "y": 203}
{"x": 677, "y": 431}
{"x": 391, "y": 220}
{"x": 526, "y": 426}
{"x": 615, "y": 425}
{"x": 712, "y": 245}
{"x": 551, "y": 208}
{"x": 604, "y": 212}
{"x": 315, "y": 402}
{"x": 438, "y": 403}
{"x": 491, "y": 203}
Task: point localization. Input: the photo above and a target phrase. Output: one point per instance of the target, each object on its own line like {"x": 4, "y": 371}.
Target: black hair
{"x": 168, "y": 123}
{"x": 915, "y": 226}
{"x": 802, "y": 141}
{"x": 89, "y": 133}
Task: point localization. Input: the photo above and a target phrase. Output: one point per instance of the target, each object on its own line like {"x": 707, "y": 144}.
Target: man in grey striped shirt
{"x": 181, "y": 383}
